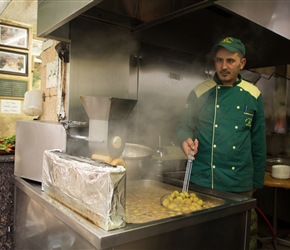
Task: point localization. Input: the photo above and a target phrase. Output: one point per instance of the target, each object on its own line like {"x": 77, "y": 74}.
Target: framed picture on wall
{"x": 15, "y": 63}
{"x": 12, "y": 36}
{"x": 13, "y": 88}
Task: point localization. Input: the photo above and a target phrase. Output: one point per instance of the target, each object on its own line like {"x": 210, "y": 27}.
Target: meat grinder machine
{"x": 107, "y": 124}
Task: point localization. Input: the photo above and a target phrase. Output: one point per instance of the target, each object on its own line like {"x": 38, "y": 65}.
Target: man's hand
{"x": 189, "y": 145}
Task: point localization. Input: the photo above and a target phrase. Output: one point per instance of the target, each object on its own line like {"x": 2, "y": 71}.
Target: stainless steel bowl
{"x": 136, "y": 151}
{"x": 138, "y": 161}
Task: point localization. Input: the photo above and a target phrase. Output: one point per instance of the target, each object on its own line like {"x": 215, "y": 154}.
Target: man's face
{"x": 228, "y": 65}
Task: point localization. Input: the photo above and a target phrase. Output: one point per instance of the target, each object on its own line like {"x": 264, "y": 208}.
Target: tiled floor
{"x": 264, "y": 233}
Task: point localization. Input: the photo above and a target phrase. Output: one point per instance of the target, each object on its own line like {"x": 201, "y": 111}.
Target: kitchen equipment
{"x": 33, "y": 138}
{"x": 276, "y": 161}
{"x": 190, "y": 231}
{"x": 107, "y": 128}
{"x": 281, "y": 171}
{"x": 137, "y": 159}
{"x": 105, "y": 135}
{"x": 95, "y": 190}
{"x": 33, "y": 102}
{"x": 160, "y": 149}
{"x": 172, "y": 163}
{"x": 136, "y": 152}
{"x": 187, "y": 172}
{"x": 144, "y": 201}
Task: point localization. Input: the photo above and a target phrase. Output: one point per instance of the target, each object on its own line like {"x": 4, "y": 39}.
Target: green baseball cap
{"x": 231, "y": 44}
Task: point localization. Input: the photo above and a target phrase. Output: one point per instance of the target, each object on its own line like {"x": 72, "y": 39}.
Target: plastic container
{"x": 33, "y": 103}
{"x": 281, "y": 171}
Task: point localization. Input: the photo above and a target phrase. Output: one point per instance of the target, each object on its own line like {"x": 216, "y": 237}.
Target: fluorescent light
{"x": 3, "y": 5}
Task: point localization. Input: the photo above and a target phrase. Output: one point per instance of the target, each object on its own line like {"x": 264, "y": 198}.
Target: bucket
{"x": 33, "y": 102}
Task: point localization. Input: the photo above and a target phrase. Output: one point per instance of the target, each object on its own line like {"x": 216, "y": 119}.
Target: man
{"x": 3, "y": 61}
{"x": 223, "y": 123}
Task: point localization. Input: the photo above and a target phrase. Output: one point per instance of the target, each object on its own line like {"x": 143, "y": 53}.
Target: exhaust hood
{"x": 190, "y": 26}
{"x": 273, "y": 15}
{"x": 194, "y": 26}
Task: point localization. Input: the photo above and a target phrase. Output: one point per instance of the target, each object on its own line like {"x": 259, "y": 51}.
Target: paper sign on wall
{"x": 53, "y": 76}
{"x": 11, "y": 106}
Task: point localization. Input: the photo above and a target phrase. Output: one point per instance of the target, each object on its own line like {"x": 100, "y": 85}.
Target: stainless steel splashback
{"x": 33, "y": 137}
{"x": 158, "y": 78}
{"x": 100, "y": 64}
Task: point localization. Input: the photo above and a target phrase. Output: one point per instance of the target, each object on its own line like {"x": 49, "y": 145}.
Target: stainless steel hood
{"x": 190, "y": 26}
{"x": 193, "y": 26}
{"x": 53, "y": 16}
{"x": 273, "y": 15}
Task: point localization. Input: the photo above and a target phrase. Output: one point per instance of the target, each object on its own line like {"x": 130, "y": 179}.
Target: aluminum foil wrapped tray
{"x": 93, "y": 189}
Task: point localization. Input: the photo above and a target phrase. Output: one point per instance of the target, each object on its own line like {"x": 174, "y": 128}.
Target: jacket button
{"x": 233, "y": 168}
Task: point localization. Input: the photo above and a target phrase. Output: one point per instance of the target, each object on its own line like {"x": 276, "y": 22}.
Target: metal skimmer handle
{"x": 188, "y": 171}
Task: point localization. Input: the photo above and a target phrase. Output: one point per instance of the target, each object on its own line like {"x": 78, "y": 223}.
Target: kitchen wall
{"x": 13, "y": 110}
{"x": 100, "y": 64}
{"x": 50, "y": 102}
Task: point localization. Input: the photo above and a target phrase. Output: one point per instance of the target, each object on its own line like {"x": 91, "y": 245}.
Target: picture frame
{"x": 13, "y": 88}
{"x": 13, "y": 36}
{"x": 15, "y": 63}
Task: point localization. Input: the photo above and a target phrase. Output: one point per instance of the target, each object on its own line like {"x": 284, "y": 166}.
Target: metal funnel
{"x": 107, "y": 108}
{"x": 107, "y": 126}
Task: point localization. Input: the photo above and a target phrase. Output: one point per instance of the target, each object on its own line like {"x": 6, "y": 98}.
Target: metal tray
{"x": 143, "y": 201}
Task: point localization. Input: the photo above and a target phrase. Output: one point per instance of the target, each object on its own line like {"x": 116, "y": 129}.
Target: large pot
{"x": 138, "y": 161}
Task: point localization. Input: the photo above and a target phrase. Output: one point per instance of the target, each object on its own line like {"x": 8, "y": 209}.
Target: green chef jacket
{"x": 229, "y": 123}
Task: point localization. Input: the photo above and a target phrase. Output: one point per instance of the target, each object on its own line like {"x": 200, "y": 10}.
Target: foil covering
{"x": 95, "y": 190}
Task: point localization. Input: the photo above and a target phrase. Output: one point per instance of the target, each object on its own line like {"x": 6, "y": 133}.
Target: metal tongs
{"x": 186, "y": 180}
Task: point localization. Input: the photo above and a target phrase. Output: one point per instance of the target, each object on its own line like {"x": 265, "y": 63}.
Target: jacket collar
{"x": 218, "y": 82}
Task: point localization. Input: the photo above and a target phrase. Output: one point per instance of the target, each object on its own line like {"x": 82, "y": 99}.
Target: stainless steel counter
{"x": 43, "y": 223}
